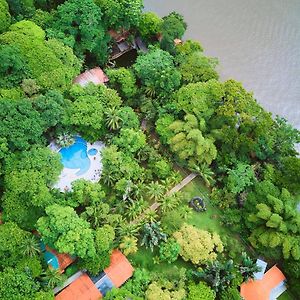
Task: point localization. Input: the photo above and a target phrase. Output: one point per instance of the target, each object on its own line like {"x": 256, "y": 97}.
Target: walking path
{"x": 68, "y": 282}
{"x": 175, "y": 189}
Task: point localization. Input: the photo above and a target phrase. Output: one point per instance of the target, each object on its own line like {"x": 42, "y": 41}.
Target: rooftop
{"x": 120, "y": 268}
{"x": 96, "y": 76}
{"x": 81, "y": 289}
{"x": 269, "y": 287}
{"x": 86, "y": 288}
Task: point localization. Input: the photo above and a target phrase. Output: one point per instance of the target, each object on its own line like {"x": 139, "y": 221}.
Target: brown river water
{"x": 257, "y": 42}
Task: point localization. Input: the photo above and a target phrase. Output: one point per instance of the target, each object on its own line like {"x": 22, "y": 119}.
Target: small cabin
{"x": 86, "y": 287}
{"x": 95, "y": 76}
{"x": 264, "y": 286}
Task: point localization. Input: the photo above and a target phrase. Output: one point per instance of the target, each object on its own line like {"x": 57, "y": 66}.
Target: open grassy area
{"x": 208, "y": 220}
{"x": 144, "y": 258}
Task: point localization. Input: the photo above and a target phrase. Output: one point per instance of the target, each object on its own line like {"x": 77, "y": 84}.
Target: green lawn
{"x": 144, "y": 258}
{"x": 208, "y": 220}
{"x": 286, "y": 296}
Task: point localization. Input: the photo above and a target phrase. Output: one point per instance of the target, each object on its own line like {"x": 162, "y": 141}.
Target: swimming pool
{"x": 81, "y": 160}
{"x": 92, "y": 151}
{"x": 76, "y": 156}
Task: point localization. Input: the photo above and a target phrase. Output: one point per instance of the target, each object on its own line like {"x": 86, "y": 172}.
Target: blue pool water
{"x": 51, "y": 260}
{"x": 76, "y": 157}
{"x": 92, "y": 151}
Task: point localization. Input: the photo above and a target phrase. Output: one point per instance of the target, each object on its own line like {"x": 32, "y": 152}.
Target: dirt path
{"x": 175, "y": 189}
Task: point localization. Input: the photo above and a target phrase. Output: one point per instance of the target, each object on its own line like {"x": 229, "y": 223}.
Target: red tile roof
{"x": 120, "y": 268}
{"x": 82, "y": 288}
{"x": 96, "y": 76}
{"x": 261, "y": 289}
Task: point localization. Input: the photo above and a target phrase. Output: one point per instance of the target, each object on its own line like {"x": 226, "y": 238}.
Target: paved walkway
{"x": 175, "y": 189}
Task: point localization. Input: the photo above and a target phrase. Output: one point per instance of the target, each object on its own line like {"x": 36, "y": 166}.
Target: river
{"x": 257, "y": 42}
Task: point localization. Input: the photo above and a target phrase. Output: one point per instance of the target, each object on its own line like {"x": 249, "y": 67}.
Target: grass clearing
{"x": 144, "y": 258}
{"x": 208, "y": 220}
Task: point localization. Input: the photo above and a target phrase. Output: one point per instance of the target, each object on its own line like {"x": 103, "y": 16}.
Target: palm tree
{"x": 31, "y": 246}
{"x": 150, "y": 216}
{"x": 150, "y": 91}
{"x": 129, "y": 245}
{"x": 168, "y": 203}
{"x": 185, "y": 212}
{"x": 135, "y": 208}
{"x": 248, "y": 267}
{"x": 172, "y": 180}
{"x": 137, "y": 190}
{"x": 205, "y": 173}
{"x": 113, "y": 121}
{"x": 128, "y": 229}
{"x": 218, "y": 275}
{"x": 53, "y": 278}
{"x": 152, "y": 235}
{"x": 96, "y": 214}
{"x": 108, "y": 178}
{"x": 155, "y": 190}
{"x": 65, "y": 140}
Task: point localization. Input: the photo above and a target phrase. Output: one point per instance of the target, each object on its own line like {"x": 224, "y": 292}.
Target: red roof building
{"x": 95, "y": 76}
{"x": 119, "y": 269}
{"x": 82, "y": 288}
{"x": 86, "y": 288}
{"x": 269, "y": 287}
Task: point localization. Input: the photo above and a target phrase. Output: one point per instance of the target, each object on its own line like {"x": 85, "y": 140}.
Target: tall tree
{"x": 52, "y": 64}
{"x": 198, "y": 67}
{"x": 121, "y": 14}
{"x": 11, "y": 240}
{"x": 189, "y": 144}
{"x": 15, "y": 284}
{"x": 173, "y": 27}
{"x": 201, "y": 292}
{"x": 66, "y": 231}
{"x": 198, "y": 246}
{"x": 218, "y": 275}
{"x": 123, "y": 81}
{"x": 240, "y": 178}
{"x": 275, "y": 224}
{"x": 130, "y": 140}
{"x": 78, "y": 23}
{"x": 152, "y": 235}
{"x": 86, "y": 113}
{"x": 4, "y": 16}
{"x": 149, "y": 25}
{"x": 157, "y": 72}
{"x": 13, "y": 68}
{"x": 20, "y": 124}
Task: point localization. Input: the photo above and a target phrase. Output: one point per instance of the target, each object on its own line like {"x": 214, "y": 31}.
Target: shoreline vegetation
{"x": 162, "y": 114}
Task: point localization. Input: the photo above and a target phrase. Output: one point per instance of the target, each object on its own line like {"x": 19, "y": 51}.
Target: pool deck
{"x": 68, "y": 176}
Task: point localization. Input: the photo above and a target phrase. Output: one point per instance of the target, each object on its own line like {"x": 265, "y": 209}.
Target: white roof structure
{"x": 263, "y": 265}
